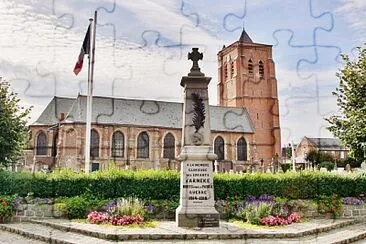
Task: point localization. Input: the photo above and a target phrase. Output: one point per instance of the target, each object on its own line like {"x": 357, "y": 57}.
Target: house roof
{"x": 326, "y": 143}
{"x": 109, "y": 110}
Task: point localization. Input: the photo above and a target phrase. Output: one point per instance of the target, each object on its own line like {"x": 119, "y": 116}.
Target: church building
{"x": 134, "y": 134}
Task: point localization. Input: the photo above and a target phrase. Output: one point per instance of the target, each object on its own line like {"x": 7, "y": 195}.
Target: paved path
{"x": 7, "y": 237}
{"x": 322, "y": 231}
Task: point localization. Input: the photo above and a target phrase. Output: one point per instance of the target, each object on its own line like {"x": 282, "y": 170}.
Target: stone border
{"x": 26, "y": 212}
{"x": 194, "y": 236}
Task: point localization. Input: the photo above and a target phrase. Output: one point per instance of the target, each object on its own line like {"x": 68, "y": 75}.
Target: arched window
{"x": 225, "y": 71}
{"x": 143, "y": 145}
{"x": 94, "y": 144}
{"x": 118, "y": 144}
{"x": 41, "y": 148}
{"x": 232, "y": 69}
{"x": 219, "y": 148}
{"x": 261, "y": 69}
{"x": 169, "y": 146}
{"x": 250, "y": 66}
{"x": 241, "y": 148}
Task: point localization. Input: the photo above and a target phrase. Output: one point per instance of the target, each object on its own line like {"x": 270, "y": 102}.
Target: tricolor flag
{"x": 85, "y": 49}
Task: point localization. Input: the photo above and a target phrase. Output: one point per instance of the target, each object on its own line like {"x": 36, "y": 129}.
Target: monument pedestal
{"x": 197, "y": 203}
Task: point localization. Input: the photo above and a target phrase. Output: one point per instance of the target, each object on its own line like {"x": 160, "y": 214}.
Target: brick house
{"x": 331, "y": 146}
{"x": 147, "y": 134}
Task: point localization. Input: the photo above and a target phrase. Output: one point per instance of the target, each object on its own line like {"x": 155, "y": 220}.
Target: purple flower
{"x": 352, "y": 201}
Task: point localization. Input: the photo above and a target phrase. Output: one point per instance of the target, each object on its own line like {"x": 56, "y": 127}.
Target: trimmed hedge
{"x": 162, "y": 184}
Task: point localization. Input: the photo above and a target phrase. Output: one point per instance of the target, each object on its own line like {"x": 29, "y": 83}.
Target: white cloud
{"x": 354, "y": 13}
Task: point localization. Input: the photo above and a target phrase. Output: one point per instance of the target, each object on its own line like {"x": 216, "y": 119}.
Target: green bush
{"x": 164, "y": 185}
{"x": 328, "y": 165}
{"x": 76, "y": 207}
{"x": 255, "y": 213}
{"x": 286, "y": 167}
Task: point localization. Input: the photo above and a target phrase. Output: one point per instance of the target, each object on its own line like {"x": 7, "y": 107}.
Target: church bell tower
{"x": 247, "y": 79}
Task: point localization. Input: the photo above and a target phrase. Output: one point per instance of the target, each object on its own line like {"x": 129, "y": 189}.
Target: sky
{"x": 142, "y": 46}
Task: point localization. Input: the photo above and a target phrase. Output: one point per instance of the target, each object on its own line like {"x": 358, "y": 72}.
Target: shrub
{"x": 354, "y": 163}
{"x": 286, "y": 167}
{"x": 330, "y": 205}
{"x": 255, "y": 213}
{"x": 164, "y": 185}
{"x": 76, "y": 207}
{"x": 280, "y": 209}
{"x": 6, "y": 208}
{"x": 328, "y": 165}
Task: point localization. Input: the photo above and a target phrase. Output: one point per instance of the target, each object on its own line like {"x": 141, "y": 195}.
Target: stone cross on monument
{"x": 197, "y": 204}
{"x": 195, "y": 56}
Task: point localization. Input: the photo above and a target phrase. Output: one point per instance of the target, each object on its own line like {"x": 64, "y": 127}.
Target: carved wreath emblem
{"x": 198, "y": 112}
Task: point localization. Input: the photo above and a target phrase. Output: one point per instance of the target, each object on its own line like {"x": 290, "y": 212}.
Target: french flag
{"x": 85, "y": 49}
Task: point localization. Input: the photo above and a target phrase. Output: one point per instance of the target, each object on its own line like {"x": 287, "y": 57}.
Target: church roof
{"x": 149, "y": 113}
{"x": 244, "y": 37}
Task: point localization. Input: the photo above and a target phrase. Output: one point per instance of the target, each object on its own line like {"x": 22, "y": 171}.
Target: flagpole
{"x": 89, "y": 98}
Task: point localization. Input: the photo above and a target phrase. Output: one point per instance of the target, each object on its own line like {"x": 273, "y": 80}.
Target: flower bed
{"x": 120, "y": 212}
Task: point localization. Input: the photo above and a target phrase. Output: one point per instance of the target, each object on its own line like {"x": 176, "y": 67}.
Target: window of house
{"x": 241, "y": 148}
{"x": 143, "y": 145}
{"x": 342, "y": 154}
{"x": 118, "y": 143}
{"x": 232, "y": 69}
{"x": 169, "y": 146}
{"x": 219, "y": 148}
{"x": 261, "y": 69}
{"x": 41, "y": 148}
{"x": 94, "y": 144}
{"x": 250, "y": 66}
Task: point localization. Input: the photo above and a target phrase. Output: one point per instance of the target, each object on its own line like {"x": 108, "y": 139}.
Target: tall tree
{"x": 13, "y": 131}
{"x": 350, "y": 125}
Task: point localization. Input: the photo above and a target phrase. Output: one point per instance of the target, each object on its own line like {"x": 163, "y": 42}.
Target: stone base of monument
{"x": 201, "y": 219}
{"x": 197, "y": 204}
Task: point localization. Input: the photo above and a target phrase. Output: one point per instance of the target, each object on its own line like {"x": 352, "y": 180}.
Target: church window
{"x": 41, "y": 144}
{"x": 169, "y": 146}
{"x": 261, "y": 69}
{"x": 143, "y": 145}
{"x": 225, "y": 70}
{"x": 94, "y": 144}
{"x": 232, "y": 69}
{"x": 219, "y": 148}
{"x": 118, "y": 143}
{"x": 250, "y": 66}
{"x": 241, "y": 148}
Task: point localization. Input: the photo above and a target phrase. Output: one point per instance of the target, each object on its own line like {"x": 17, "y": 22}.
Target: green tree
{"x": 13, "y": 131}
{"x": 349, "y": 126}
{"x": 316, "y": 157}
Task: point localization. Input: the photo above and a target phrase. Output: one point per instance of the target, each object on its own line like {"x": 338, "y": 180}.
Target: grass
{"x": 246, "y": 225}
{"x": 146, "y": 224}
